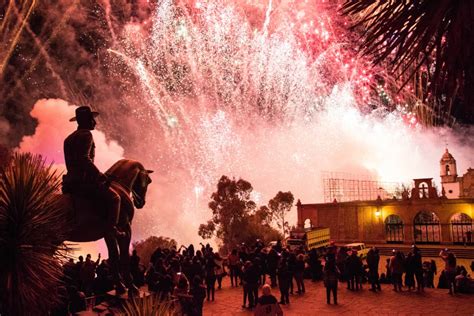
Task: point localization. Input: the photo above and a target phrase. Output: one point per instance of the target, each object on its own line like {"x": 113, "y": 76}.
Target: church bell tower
{"x": 449, "y": 176}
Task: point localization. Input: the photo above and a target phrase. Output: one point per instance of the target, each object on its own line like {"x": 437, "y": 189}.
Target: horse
{"x": 130, "y": 179}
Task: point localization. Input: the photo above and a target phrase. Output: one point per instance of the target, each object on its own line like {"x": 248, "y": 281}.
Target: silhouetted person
{"x": 331, "y": 276}
{"x": 234, "y": 267}
{"x": 135, "y": 269}
{"x": 83, "y": 177}
{"x": 210, "y": 269}
{"x": 313, "y": 264}
{"x": 272, "y": 265}
{"x": 463, "y": 282}
{"x": 396, "y": 269}
{"x": 373, "y": 259}
{"x": 341, "y": 257}
{"x": 279, "y": 246}
{"x": 284, "y": 280}
{"x": 198, "y": 291}
{"x": 418, "y": 266}
{"x": 87, "y": 274}
{"x": 250, "y": 281}
{"x": 449, "y": 269}
{"x": 219, "y": 269}
{"x": 299, "y": 273}
{"x": 291, "y": 269}
{"x": 410, "y": 271}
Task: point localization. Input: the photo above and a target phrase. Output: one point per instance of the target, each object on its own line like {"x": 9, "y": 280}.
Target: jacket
{"x": 79, "y": 154}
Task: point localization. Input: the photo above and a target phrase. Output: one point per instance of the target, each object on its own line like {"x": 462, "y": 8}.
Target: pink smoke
{"x": 53, "y": 127}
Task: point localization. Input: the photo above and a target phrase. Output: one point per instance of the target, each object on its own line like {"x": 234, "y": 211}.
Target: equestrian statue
{"x": 101, "y": 205}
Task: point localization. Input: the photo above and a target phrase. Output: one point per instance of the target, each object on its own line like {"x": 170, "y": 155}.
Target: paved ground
{"x": 228, "y": 301}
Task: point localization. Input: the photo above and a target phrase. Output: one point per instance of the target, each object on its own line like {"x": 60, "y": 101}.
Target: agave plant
{"x": 411, "y": 34}
{"x": 148, "y": 306}
{"x": 32, "y": 228}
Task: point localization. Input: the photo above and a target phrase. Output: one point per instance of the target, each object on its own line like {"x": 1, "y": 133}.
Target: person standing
{"x": 220, "y": 271}
{"x": 331, "y": 276}
{"x": 198, "y": 292}
{"x": 234, "y": 267}
{"x": 272, "y": 265}
{"x": 418, "y": 266}
{"x": 313, "y": 262}
{"x": 373, "y": 259}
{"x": 299, "y": 273}
{"x": 284, "y": 280}
{"x": 210, "y": 271}
{"x": 396, "y": 270}
{"x": 410, "y": 271}
{"x": 449, "y": 269}
{"x": 87, "y": 274}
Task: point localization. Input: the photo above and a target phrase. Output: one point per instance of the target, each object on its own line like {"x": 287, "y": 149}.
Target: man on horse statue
{"x": 83, "y": 177}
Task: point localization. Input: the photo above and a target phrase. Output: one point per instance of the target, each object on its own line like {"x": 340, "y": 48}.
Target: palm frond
{"x": 32, "y": 228}
{"x": 412, "y": 33}
{"x": 148, "y": 306}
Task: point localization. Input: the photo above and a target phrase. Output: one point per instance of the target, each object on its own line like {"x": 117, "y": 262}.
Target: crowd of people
{"x": 190, "y": 277}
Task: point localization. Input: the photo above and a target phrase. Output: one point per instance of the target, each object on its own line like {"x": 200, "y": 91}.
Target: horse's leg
{"x": 111, "y": 243}
{"x": 124, "y": 246}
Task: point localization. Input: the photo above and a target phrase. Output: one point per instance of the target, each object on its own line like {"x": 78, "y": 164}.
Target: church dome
{"x": 447, "y": 156}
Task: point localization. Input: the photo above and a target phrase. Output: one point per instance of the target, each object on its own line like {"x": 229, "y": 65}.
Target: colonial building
{"x": 421, "y": 216}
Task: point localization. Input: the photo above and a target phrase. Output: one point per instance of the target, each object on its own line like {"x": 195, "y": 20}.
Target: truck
{"x": 313, "y": 238}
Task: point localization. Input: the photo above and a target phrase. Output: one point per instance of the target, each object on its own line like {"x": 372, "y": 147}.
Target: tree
{"x": 279, "y": 205}
{"x": 257, "y": 227}
{"x": 263, "y": 215}
{"x": 145, "y": 248}
{"x": 231, "y": 206}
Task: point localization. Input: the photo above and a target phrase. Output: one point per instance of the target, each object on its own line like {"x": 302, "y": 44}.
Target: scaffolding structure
{"x": 345, "y": 187}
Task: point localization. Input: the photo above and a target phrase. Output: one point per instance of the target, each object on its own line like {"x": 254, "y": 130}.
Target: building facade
{"x": 420, "y": 216}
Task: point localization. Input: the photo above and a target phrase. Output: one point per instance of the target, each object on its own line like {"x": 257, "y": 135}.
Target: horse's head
{"x": 132, "y": 175}
{"x": 140, "y": 186}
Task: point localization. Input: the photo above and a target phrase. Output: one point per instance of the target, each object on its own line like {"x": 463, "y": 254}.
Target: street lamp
{"x": 378, "y": 210}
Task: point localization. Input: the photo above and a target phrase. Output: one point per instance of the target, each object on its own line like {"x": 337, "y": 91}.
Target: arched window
{"x": 394, "y": 229}
{"x": 307, "y": 224}
{"x": 426, "y": 228}
{"x": 461, "y": 228}
{"x": 448, "y": 173}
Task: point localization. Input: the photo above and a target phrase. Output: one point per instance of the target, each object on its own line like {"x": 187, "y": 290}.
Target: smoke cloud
{"x": 53, "y": 127}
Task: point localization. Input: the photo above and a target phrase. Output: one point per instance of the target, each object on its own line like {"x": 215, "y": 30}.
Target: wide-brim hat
{"x": 85, "y": 112}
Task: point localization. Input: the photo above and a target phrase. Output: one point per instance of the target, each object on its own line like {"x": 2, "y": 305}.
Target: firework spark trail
{"x": 267, "y": 19}
{"x": 108, "y": 9}
{"x": 13, "y": 41}
{"x": 43, "y": 52}
{"x": 6, "y": 18}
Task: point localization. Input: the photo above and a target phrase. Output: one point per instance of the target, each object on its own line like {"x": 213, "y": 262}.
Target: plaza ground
{"x": 228, "y": 301}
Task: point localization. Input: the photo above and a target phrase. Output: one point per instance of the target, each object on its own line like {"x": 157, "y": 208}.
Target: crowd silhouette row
{"x": 189, "y": 277}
